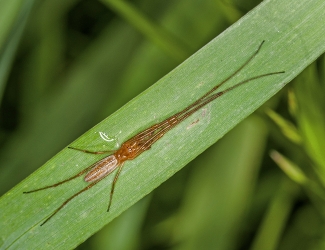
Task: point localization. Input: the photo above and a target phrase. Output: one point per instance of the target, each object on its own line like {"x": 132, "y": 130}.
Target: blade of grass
{"x": 153, "y": 32}
{"x": 310, "y": 118}
{"x": 13, "y": 17}
{"x": 274, "y": 222}
{"x": 294, "y": 39}
{"x": 127, "y": 226}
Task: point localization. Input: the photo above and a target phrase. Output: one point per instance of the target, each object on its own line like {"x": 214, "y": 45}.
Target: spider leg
{"x": 61, "y": 182}
{"x": 73, "y": 196}
{"x": 113, "y": 185}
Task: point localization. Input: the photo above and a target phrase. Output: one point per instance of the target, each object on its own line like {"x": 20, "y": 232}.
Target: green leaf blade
{"x": 286, "y": 48}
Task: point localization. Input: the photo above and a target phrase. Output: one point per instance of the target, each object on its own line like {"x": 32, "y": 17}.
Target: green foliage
{"x": 80, "y": 61}
{"x": 13, "y": 16}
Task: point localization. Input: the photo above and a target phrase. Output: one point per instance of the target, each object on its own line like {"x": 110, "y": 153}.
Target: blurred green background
{"x": 67, "y": 65}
